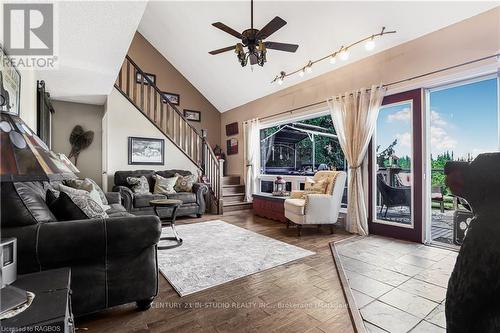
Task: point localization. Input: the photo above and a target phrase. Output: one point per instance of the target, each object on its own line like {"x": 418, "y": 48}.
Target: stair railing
{"x": 140, "y": 90}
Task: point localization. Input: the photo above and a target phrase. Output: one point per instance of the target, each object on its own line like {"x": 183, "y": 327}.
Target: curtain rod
{"x": 390, "y": 84}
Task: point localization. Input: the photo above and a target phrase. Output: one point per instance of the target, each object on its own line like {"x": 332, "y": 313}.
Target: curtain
{"x": 251, "y": 132}
{"x": 354, "y": 117}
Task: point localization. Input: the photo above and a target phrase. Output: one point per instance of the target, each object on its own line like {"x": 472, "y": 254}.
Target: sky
{"x": 464, "y": 119}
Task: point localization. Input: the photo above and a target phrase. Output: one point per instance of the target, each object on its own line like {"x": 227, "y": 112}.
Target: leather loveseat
{"x": 138, "y": 204}
{"x": 112, "y": 260}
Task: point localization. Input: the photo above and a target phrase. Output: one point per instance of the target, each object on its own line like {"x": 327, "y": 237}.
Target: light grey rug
{"x": 216, "y": 252}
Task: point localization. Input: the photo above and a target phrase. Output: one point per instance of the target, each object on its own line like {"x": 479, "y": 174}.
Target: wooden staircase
{"x": 233, "y": 194}
{"x": 150, "y": 101}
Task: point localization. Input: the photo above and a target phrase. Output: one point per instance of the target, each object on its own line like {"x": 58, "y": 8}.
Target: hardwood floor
{"x": 301, "y": 296}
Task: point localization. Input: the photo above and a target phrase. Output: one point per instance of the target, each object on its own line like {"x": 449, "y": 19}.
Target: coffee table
{"x": 168, "y": 222}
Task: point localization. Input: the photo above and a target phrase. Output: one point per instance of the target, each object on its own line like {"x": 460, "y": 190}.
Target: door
{"x": 395, "y": 168}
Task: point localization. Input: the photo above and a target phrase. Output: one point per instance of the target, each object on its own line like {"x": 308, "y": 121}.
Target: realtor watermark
{"x": 29, "y": 35}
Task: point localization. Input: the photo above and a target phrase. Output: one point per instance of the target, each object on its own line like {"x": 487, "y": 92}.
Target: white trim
{"x": 294, "y": 117}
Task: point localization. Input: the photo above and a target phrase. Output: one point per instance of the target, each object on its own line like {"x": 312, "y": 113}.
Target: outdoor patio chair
{"x": 437, "y": 196}
{"x": 320, "y": 208}
{"x": 393, "y": 196}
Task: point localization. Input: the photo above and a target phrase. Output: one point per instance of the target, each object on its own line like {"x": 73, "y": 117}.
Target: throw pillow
{"x": 315, "y": 187}
{"x": 99, "y": 190}
{"x": 185, "y": 183}
{"x": 164, "y": 185}
{"x": 139, "y": 185}
{"x": 87, "y": 185}
{"x": 87, "y": 203}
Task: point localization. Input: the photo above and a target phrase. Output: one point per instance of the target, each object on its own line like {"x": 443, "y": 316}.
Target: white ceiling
{"x": 93, "y": 39}
{"x": 182, "y": 32}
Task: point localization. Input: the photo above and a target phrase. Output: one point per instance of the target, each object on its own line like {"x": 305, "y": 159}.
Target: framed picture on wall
{"x": 148, "y": 151}
{"x": 10, "y": 86}
{"x": 171, "y": 97}
{"x": 139, "y": 78}
{"x": 232, "y": 146}
{"x": 232, "y": 129}
{"x": 192, "y": 115}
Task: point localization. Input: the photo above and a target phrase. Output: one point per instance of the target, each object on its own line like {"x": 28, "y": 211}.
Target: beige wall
{"x": 123, "y": 120}
{"x": 171, "y": 80}
{"x": 66, "y": 117}
{"x": 473, "y": 38}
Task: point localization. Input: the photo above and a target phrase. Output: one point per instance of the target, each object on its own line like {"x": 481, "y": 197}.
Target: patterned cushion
{"x": 316, "y": 187}
{"x": 164, "y": 185}
{"x": 139, "y": 185}
{"x": 329, "y": 176}
{"x": 80, "y": 184}
{"x": 75, "y": 186}
{"x": 185, "y": 183}
{"x": 99, "y": 190}
{"x": 72, "y": 206}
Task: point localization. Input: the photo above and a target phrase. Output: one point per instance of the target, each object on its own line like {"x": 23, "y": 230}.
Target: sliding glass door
{"x": 462, "y": 121}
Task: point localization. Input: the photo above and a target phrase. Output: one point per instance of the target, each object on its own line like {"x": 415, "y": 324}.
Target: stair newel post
{"x": 204, "y": 150}
{"x": 219, "y": 187}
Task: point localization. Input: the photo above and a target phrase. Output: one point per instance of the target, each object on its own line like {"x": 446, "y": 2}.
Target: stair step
{"x": 236, "y": 197}
{"x": 232, "y": 189}
{"x": 231, "y": 180}
{"x": 232, "y": 206}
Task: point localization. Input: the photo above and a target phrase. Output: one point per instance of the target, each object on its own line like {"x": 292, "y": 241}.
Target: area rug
{"x": 216, "y": 252}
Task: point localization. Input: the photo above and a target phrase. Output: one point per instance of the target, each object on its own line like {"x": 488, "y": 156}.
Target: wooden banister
{"x": 149, "y": 100}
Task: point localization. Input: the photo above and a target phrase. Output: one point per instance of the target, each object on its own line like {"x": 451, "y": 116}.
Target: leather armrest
{"x": 113, "y": 197}
{"x": 66, "y": 243}
{"x": 127, "y": 196}
{"x": 200, "y": 189}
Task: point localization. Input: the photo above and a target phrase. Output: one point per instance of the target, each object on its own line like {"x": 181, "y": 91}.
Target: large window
{"x": 301, "y": 148}
{"x": 462, "y": 123}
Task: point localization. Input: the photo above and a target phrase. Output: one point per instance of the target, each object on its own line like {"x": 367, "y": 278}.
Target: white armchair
{"x": 316, "y": 209}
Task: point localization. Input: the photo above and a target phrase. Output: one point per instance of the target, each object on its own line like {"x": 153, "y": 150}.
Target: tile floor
{"x": 398, "y": 286}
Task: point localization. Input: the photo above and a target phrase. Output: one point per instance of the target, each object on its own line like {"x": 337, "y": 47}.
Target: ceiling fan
{"x": 253, "y": 40}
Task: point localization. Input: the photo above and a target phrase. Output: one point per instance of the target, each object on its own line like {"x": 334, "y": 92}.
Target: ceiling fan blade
{"x": 274, "y": 25}
{"x": 281, "y": 46}
{"x": 227, "y": 29}
{"x": 253, "y": 59}
{"x": 224, "y": 49}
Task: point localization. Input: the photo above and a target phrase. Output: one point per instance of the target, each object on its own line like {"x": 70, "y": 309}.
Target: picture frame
{"x": 173, "y": 98}
{"x": 232, "y": 146}
{"x": 232, "y": 129}
{"x": 10, "y": 86}
{"x": 192, "y": 115}
{"x": 146, "y": 151}
{"x": 139, "y": 79}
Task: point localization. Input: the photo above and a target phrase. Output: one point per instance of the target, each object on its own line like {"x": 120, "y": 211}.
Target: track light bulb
{"x": 301, "y": 73}
{"x": 280, "y": 81}
{"x": 370, "y": 45}
{"x": 333, "y": 60}
{"x": 344, "y": 54}
{"x": 309, "y": 69}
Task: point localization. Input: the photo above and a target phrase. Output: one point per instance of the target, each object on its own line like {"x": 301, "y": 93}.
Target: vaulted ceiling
{"x": 182, "y": 32}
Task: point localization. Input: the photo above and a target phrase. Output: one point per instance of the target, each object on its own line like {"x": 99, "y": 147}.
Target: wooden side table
{"x": 51, "y": 307}
{"x": 168, "y": 222}
{"x": 269, "y": 206}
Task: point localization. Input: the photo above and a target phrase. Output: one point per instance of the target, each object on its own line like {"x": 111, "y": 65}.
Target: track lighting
{"x": 343, "y": 53}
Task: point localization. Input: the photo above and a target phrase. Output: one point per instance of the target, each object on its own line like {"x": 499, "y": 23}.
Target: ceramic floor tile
{"x": 437, "y": 316}
{"x": 361, "y": 299}
{"x": 416, "y": 261}
{"x": 425, "y": 327}
{"x": 413, "y": 304}
{"x": 367, "y": 286}
{"x": 373, "y": 329}
{"x": 435, "y": 276}
{"x": 424, "y": 289}
{"x": 388, "y": 317}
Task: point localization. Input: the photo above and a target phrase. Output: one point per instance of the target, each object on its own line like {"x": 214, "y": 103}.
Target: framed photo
{"x": 232, "y": 146}
{"x": 10, "y": 86}
{"x": 172, "y": 98}
{"x": 232, "y": 129}
{"x": 146, "y": 151}
{"x": 139, "y": 78}
{"x": 192, "y": 115}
